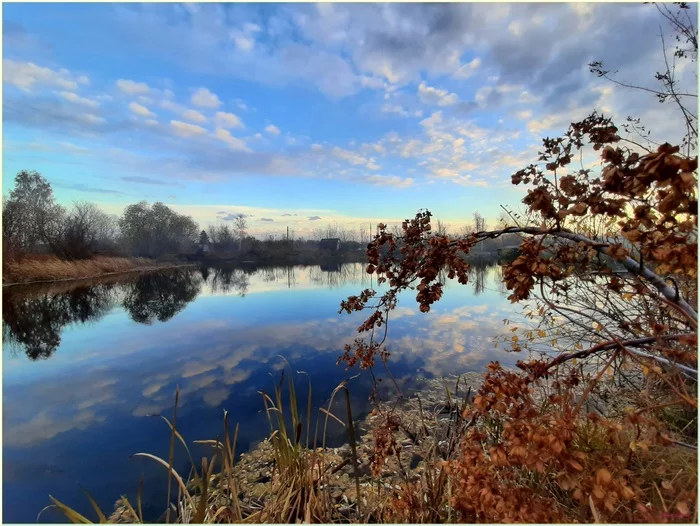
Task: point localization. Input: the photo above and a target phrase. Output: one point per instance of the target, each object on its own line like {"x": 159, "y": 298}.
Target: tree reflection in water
{"x": 161, "y": 296}
{"x": 227, "y": 279}
{"x": 33, "y": 320}
{"x": 334, "y": 275}
{"x": 205, "y": 272}
{"x": 33, "y": 323}
{"x": 477, "y": 275}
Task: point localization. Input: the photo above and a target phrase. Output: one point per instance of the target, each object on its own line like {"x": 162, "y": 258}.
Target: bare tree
{"x": 240, "y": 229}
{"x": 479, "y": 222}
{"x": 686, "y": 48}
{"x": 441, "y": 229}
{"x": 86, "y": 230}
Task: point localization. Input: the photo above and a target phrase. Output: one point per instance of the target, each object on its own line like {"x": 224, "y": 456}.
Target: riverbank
{"x": 415, "y": 437}
{"x": 52, "y": 269}
{"x": 402, "y": 463}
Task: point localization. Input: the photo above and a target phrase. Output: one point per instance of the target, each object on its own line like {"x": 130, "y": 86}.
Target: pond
{"x": 84, "y": 367}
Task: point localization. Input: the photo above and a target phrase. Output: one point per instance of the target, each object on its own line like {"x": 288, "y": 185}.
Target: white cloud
{"x": 74, "y": 147}
{"x": 27, "y": 75}
{"x": 272, "y": 129}
{"x": 435, "y": 96}
{"x": 466, "y": 180}
{"x": 389, "y": 180}
{"x": 228, "y": 120}
{"x": 523, "y": 115}
{"x": 133, "y": 88}
{"x": 194, "y": 116}
{"x": 433, "y": 120}
{"x": 244, "y": 43}
{"x": 482, "y": 94}
{"x": 316, "y": 147}
{"x": 205, "y": 99}
{"x": 74, "y": 97}
{"x": 244, "y": 39}
{"x": 141, "y": 110}
{"x": 528, "y": 98}
{"x": 468, "y": 69}
{"x": 172, "y": 106}
{"x": 547, "y": 122}
{"x": 233, "y": 142}
{"x": 351, "y": 157}
{"x": 371, "y": 82}
{"x": 376, "y": 147}
{"x": 411, "y": 148}
{"x": 185, "y": 129}
{"x": 400, "y": 110}
{"x": 89, "y": 118}
{"x": 515, "y": 28}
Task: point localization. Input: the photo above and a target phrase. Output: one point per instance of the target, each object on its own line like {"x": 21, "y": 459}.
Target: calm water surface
{"x": 83, "y": 368}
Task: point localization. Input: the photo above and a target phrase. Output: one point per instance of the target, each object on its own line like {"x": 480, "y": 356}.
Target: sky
{"x": 304, "y": 115}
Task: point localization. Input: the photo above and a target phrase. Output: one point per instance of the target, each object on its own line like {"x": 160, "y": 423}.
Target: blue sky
{"x": 349, "y": 113}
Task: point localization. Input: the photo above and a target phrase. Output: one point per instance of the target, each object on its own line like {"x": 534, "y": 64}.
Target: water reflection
{"x": 34, "y": 323}
{"x": 34, "y": 319}
{"x": 228, "y": 279}
{"x": 478, "y": 276}
{"x": 216, "y": 333}
{"x": 161, "y": 296}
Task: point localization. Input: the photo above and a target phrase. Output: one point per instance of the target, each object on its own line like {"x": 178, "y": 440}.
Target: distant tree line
{"x": 34, "y": 223}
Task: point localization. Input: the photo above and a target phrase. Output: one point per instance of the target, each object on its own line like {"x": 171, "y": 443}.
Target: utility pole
{"x": 287, "y": 233}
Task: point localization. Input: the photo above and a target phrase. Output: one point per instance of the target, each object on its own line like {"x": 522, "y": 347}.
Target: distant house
{"x": 331, "y": 244}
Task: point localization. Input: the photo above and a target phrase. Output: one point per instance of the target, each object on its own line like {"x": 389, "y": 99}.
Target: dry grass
{"x": 290, "y": 479}
{"x": 51, "y": 268}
